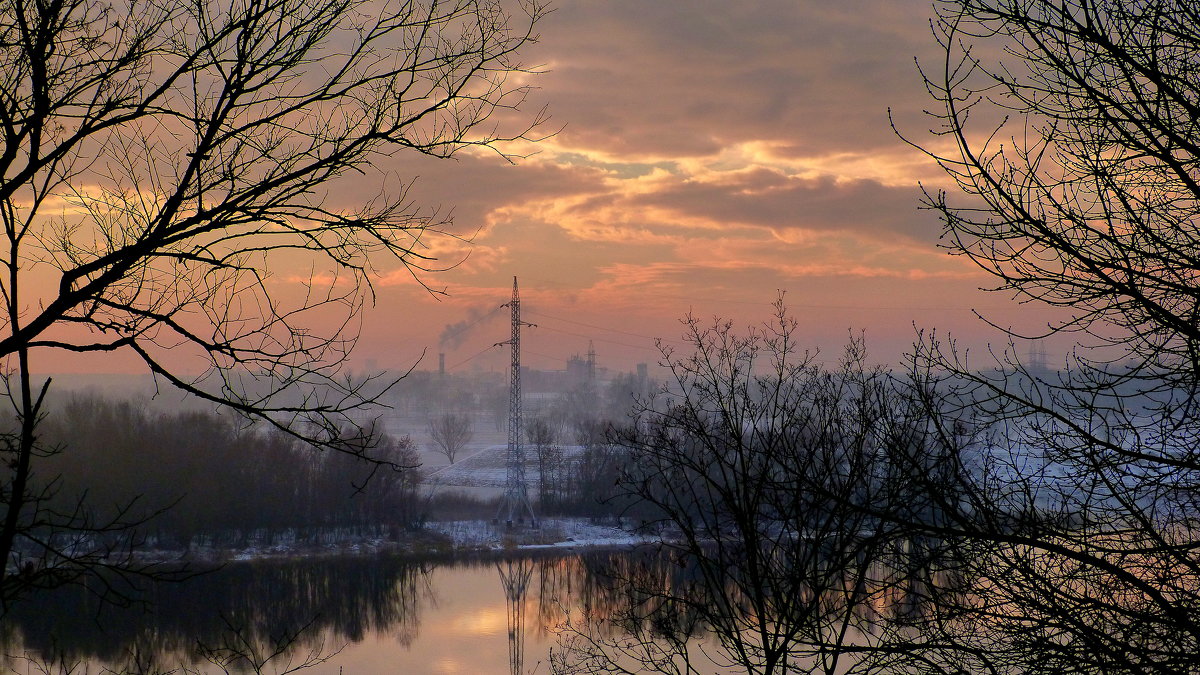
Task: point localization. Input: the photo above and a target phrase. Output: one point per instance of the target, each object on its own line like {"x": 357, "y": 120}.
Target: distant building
{"x": 579, "y": 370}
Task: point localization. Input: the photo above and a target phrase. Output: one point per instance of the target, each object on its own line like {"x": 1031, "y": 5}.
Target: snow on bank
{"x": 438, "y": 537}
{"x": 564, "y": 533}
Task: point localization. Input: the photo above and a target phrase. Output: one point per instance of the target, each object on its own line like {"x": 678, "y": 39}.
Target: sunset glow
{"x": 704, "y": 158}
{"x": 707, "y": 157}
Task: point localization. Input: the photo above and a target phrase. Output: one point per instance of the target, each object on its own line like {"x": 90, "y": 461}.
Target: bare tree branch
{"x": 162, "y": 160}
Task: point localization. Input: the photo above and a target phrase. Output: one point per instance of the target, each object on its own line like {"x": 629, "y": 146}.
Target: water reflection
{"x": 368, "y": 614}
{"x": 261, "y": 604}
{"x": 373, "y": 609}
{"x": 514, "y": 577}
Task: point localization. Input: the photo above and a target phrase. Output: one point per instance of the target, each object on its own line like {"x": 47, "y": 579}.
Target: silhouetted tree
{"x": 595, "y": 472}
{"x": 543, "y": 433}
{"x": 764, "y": 472}
{"x": 158, "y": 159}
{"x": 1073, "y": 140}
{"x": 451, "y": 432}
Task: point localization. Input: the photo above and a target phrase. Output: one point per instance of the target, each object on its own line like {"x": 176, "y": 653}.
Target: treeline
{"x": 178, "y": 479}
{"x": 186, "y": 477}
{"x": 577, "y": 467}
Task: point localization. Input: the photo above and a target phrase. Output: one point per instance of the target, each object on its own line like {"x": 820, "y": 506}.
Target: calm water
{"x": 368, "y": 615}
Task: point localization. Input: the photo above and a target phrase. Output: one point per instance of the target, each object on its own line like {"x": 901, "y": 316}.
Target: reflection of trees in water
{"x": 613, "y": 594}
{"x": 649, "y": 610}
{"x": 335, "y": 601}
{"x": 338, "y": 599}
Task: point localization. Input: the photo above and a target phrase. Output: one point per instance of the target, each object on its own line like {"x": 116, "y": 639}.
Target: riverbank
{"x": 437, "y": 537}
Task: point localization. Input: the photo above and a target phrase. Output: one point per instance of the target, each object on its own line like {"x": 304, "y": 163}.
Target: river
{"x": 369, "y": 614}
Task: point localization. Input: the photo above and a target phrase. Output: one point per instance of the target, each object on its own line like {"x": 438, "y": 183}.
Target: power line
{"x": 589, "y": 325}
{"x": 544, "y": 356}
{"x": 473, "y": 357}
{"x": 677, "y": 342}
{"x": 598, "y": 339}
{"x": 791, "y": 305}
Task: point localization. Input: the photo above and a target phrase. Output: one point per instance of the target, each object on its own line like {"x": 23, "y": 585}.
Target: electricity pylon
{"x": 515, "y": 503}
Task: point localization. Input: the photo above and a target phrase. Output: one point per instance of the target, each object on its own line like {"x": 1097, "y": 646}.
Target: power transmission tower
{"x": 515, "y": 503}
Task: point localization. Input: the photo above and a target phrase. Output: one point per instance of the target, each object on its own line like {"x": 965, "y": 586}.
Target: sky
{"x": 707, "y": 156}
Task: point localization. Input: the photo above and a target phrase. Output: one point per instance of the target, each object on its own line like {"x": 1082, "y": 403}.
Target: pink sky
{"x": 711, "y": 154}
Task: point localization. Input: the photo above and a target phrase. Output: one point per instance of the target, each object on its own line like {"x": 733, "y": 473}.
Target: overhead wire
{"x": 589, "y": 325}
{"x": 598, "y": 339}
{"x": 473, "y": 357}
{"x": 793, "y": 305}
{"x": 658, "y": 339}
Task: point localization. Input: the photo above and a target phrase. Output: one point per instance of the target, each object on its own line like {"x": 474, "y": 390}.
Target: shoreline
{"x": 436, "y": 538}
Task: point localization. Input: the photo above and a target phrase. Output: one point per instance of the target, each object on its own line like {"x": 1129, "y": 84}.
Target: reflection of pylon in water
{"x": 515, "y": 504}
{"x": 514, "y": 575}
{"x": 1037, "y": 358}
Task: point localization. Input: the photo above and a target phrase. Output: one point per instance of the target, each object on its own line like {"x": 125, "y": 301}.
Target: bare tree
{"x": 762, "y": 471}
{"x": 158, "y": 159}
{"x": 1074, "y": 140}
{"x": 451, "y": 432}
{"x": 542, "y": 433}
